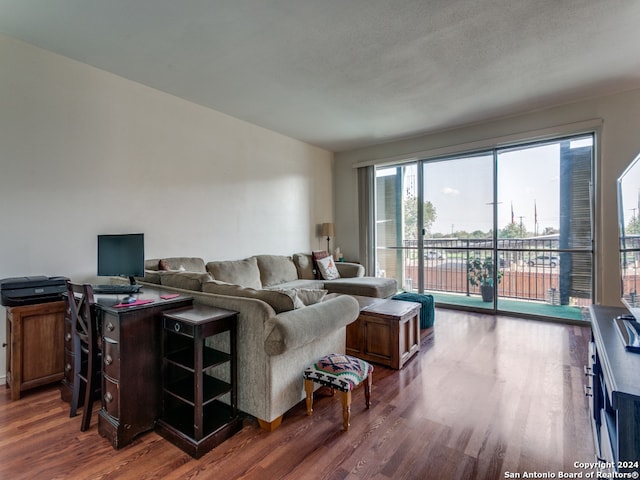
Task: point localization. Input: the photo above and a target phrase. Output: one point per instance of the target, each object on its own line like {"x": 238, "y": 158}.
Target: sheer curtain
{"x": 366, "y": 218}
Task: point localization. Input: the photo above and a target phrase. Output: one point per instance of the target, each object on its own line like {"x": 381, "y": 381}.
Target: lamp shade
{"x": 327, "y": 229}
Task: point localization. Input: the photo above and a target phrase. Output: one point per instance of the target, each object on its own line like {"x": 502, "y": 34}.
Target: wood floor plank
{"x": 485, "y": 395}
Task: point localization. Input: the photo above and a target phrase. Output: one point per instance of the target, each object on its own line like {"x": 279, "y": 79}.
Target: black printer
{"x": 20, "y": 291}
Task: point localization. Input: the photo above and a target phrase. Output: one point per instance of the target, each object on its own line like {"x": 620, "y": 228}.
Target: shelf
{"x": 612, "y": 430}
{"x": 194, "y": 418}
{"x": 215, "y": 415}
{"x": 184, "y": 389}
{"x": 184, "y": 358}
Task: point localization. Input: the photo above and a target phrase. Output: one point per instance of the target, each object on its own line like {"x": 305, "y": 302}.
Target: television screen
{"x": 629, "y": 229}
{"x": 121, "y": 255}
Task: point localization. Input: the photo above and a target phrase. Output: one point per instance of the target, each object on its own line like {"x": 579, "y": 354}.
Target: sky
{"x": 461, "y": 189}
{"x": 631, "y": 190}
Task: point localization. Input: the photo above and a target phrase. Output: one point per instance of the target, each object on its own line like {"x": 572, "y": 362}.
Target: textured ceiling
{"x": 343, "y": 74}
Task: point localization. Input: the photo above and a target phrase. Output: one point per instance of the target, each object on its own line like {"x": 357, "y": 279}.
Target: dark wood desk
{"x": 131, "y": 355}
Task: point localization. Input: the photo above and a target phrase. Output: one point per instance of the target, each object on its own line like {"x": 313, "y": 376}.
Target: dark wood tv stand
{"x": 614, "y": 393}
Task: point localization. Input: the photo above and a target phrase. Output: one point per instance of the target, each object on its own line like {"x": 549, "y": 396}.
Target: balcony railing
{"x": 533, "y": 269}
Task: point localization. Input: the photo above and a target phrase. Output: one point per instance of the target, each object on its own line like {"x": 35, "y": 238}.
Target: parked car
{"x": 544, "y": 260}
{"x": 433, "y": 255}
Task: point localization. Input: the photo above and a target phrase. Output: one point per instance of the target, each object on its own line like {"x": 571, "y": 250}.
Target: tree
{"x": 633, "y": 227}
{"x": 411, "y": 217}
{"x": 513, "y": 230}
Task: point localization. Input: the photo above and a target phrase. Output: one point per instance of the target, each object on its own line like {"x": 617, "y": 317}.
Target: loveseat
{"x": 286, "y": 320}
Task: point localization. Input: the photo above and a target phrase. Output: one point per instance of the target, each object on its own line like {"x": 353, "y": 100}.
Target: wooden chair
{"x": 86, "y": 350}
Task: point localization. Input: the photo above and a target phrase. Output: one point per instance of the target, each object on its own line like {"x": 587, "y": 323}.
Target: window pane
{"x": 395, "y": 219}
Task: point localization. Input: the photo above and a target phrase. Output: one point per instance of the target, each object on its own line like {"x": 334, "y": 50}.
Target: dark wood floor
{"x": 487, "y": 396}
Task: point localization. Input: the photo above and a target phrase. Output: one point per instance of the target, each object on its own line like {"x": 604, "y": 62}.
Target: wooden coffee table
{"x": 386, "y": 331}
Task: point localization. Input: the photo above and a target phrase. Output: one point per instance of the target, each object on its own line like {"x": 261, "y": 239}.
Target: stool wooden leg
{"x": 346, "y": 409}
{"x": 308, "y": 387}
{"x": 367, "y": 389}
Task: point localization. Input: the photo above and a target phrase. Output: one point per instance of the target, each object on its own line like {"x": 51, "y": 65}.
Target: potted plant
{"x": 480, "y": 274}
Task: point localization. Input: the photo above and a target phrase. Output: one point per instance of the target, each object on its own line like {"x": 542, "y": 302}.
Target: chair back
{"x": 86, "y": 350}
{"x": 82, "y": 311}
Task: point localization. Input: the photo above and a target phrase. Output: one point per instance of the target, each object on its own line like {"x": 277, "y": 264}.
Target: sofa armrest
{"x": 350, "y": 270}
{"x": 296, "y": 328}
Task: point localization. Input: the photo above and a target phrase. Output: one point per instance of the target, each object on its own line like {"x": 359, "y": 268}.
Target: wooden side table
{"x": 35, "y": 346}
{"x": 193, "y": 416}
{"x": 386, "y": 332}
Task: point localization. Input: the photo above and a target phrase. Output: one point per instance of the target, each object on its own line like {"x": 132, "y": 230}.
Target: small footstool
{"x": 341, "y": 372}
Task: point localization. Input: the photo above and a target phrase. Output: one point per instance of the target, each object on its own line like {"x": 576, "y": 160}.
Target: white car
{"x": 544, "y": 260}
{"x": 433, "y": 255}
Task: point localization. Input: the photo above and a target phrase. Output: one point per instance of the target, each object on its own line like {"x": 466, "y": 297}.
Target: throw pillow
{"x": 309, "y": 296}
{"x": 163, "y": 265}
{"x": 318, "y": 255}
{"x": 328, "y": 268}
{"x": 302, "y": 297}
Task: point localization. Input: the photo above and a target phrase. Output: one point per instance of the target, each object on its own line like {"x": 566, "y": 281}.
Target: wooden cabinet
{"x": 131, "y": 346}
{"x": 386, "y": 332}
{"x": 35, "y": 346}
{"x": 196, "y": 378}
{"x": 614, "y": 393}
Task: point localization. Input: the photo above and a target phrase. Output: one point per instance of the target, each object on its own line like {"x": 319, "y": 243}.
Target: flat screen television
{"x": 629, "y": 238}
{"x": 121, "y": 255}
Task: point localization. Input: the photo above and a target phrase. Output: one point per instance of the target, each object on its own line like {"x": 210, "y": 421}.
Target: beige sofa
{"x": 285, "y": 322}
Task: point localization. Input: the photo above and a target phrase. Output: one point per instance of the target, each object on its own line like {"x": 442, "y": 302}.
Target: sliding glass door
{"x": 502, "y": 230}
{"x": 457, "y": 225}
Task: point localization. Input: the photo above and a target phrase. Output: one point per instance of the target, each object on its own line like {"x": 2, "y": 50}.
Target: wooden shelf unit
{"x": 194, "y": 416}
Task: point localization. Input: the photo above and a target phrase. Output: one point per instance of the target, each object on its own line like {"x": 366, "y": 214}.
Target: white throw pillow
{"x": 303, "y": 296}
{"x": 328, "y": 268}
{"x": 310, "y": 296}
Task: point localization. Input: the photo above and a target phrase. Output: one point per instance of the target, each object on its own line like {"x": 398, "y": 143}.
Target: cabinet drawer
{"x": 178, "y": 327}
{"x": 111, "y": 358}
{"x": 111, "y": 328}
{"x": 68, "y": 338}
{"x": 111, "y": 397}
{"x": 69, "y": 372}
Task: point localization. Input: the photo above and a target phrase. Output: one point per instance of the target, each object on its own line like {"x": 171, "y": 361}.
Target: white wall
{"x": 84, "y": 152}
{"x": 619, "y": 145}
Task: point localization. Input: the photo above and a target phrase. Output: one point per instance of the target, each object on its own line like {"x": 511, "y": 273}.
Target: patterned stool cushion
{"x": 339, "y": 371}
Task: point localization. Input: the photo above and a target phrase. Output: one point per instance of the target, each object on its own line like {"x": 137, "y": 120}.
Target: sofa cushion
{"x": 238, "y": 272}
{"x": 304, "y": 266}
{"x": 280, "y": 301}
{"x": 276, "y": 269}
{"x": 187, "y": 264}
{"x": 178, "y": 264}
{"x": 363, "y": 286}
{"x": 185, "y": 280}
{"x": 327, "y": 267}
{"x": 151, "y": 276}
{"x": 313, "y": 284}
